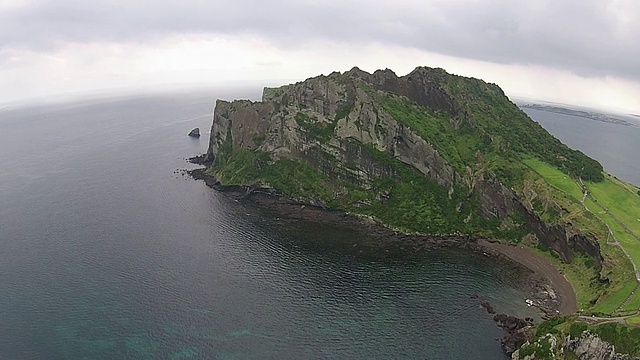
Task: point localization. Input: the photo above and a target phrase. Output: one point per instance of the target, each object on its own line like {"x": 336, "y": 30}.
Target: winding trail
{"x": 612, "y": 235}
{"x": 604, "y": 320}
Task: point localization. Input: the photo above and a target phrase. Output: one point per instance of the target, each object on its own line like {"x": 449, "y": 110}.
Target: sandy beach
{"x": 539, "y": 265}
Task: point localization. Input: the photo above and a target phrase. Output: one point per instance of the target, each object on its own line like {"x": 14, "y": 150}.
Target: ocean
{"x": 615, "y": 146}
{"x": 108, "y": 251}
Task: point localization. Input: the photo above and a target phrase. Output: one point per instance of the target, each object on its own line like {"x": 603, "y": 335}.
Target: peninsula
{"x": 438, "y": 155}
{"x": 592, "y": 115}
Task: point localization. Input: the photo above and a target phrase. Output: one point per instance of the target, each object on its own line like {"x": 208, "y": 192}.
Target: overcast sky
{"x": 584, "y": 52}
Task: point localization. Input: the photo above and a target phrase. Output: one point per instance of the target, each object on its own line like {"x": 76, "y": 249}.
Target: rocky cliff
{"x": 574, "y": 337}
{"x": 586, "y": 346}
{"x": 429, "y": 152}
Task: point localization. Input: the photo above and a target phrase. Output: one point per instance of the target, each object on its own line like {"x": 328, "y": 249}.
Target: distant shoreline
{"x": 560, "y": 301}
{"x": 590, "y": 115}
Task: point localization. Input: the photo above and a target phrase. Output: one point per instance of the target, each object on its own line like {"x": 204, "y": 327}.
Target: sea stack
{"x": 195, "y": 133}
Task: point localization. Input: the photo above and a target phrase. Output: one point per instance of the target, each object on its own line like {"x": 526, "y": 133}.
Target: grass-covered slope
{"x": 405, "y": 199}
{"x": 626, "y": 340}
{"x": 491, "y": 126}
{"x": 513, "y": 133}
{"x": 488, "y": 134}
{"x": 610, "y": 210}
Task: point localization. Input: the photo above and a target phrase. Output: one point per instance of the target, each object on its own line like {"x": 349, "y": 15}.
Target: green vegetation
{"x": 615, "y": 196}
{"x": 615, "y": 204}
{"x": 592, "y": 218}
{"x": 634, "y": 321}
{"x": 542, "y": 348}
{"x": 480, "y": 133}
{"x": 416, "y": 203}
{"x": 486, "y": 135}
{"x": 555, "y": 178}
{"x": 271, "y": 93}
{"x": 253, "y": 168}
{"x": 258, "y": 139}
{"x": 625, "y": 339}
{"x": 498, "y": 135}
{"x": 584, "y": 278}
{"x": 344, "y": 110}
{"x": 457, "y": 146}
{"x": 315, "y": 129}
{"x": 511, "y": 132}
{"x": 403, "y": 198}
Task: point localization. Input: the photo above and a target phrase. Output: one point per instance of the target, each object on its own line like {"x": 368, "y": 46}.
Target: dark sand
{"x": 539, "y": 265}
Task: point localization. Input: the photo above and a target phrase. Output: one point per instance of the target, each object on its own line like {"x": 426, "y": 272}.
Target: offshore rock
{"x": 195, "y": 133}
{"x": 516, "y": 332}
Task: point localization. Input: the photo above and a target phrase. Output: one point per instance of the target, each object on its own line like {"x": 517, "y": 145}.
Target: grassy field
{"x": 556, "y": 178}
{"x": 614, "y": 300}
{"x": 626, "y": 340}
{"x": 623, "y": 205}
{"x": 623, "y": 217}
{"x": 634, "y": 321}
{"x": 621, "y": 201}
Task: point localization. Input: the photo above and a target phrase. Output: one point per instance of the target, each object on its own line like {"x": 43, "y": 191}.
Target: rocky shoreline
{"x": 543, "y": 288}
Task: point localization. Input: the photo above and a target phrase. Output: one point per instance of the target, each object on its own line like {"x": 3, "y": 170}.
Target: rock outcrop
{"x": 591, "y": 347}
{"x": 585, "y": 347}
{"x": 195, "y": 133}
{"x": 517, "y": 332}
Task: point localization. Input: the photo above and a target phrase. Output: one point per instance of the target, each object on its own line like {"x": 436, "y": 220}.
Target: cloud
{"x": 580, "y": 52}
{"x": 188, "y": 61}
{"x": 593, "y": 38}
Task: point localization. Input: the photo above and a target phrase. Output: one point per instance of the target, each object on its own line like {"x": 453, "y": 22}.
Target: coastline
{"x": 568, "y": 303}
{"x": 550, "y": 290}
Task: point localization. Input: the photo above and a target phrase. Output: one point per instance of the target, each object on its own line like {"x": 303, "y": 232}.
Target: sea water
{"x": 107, "y": 251}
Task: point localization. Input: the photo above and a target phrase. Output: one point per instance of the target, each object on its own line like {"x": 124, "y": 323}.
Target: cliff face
{"x": 586, "y": 346}
{"x": 291, "y": 121}
{"x": 368, "y": 138}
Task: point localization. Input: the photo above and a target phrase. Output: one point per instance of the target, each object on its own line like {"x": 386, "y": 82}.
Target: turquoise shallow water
{"x": 107, "y": 253}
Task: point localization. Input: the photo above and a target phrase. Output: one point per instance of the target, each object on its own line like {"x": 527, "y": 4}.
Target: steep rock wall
{"x": 587, "y": 346}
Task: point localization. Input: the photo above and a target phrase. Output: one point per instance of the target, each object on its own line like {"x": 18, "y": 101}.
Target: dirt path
{"x": 542, "y": 266}
{"x": 604, "y": 320}
{"x": 615, "y": 241}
